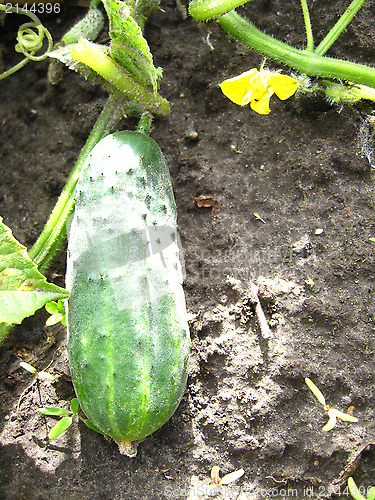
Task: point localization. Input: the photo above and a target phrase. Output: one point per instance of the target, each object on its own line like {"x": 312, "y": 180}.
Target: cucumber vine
{"x": 132, "y": 85}
{"x": 126, "y": 69}
{"x": 310, "y": 61}
{"x": 30, "y": 39}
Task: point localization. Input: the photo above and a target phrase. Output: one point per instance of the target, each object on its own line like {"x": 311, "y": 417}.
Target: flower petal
{"x": 262, "y": 106}
{"x": 239, "y": 89}
{"x": 283, "y": 85}
{"x": 259, "y": 84}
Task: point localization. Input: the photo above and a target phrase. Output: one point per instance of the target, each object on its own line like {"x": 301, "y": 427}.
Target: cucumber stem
{"x": 54, "y": 232}
{"x": 305, "y": 62}
{"x": 339, "y": 27}
{"x": 202, "y": 10}
{"x": 128, "y": 448}
{"x": 309, "y": 34}
{"x": 144, "y": 125}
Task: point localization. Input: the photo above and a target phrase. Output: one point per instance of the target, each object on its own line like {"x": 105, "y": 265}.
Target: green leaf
{"x": 354, "y": 491}
{"x": 52, "y": 308}
{"x": 23, "y": 289}
{"x": 57, "y": 311}
{"x": 128, "y": 46}
{"x": 60, "y": 306}
{"x": 91, "y": 426}
{"x": 54, "y": 319}
{"x": 28, "y": 367}
{"x": 74, "y": 406}
{"x": 313, "y": 388}
{"x": 53, "y": 412}
{"x": 60, "y": 427}
{"x": 344, "y": 416}
{"x": 141, "y": 9}
{"x": 5, "y": 329}
{"x": 372, "y": 239}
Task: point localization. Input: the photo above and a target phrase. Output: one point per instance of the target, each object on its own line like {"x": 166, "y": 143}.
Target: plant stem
{"x": 14, "y": 68}
{"x": 144, "y": 125}
{"x": 339, "y": 27}
{"x": 304, "y": 62}
{"x": 309, "y": 34}
{"x": 54, "y": 232}
{"x": 201, "y": 10}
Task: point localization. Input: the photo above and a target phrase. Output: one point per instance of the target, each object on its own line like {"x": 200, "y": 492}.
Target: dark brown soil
{"x": 246, "y": 405}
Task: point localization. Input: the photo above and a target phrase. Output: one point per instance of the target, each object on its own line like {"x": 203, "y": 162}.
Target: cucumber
{"x": 128, "y": 337}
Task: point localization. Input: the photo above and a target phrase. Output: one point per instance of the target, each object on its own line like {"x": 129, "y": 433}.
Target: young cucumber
{"x": 128, "y": 338}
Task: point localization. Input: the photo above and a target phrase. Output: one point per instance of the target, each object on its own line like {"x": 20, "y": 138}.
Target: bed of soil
{"x": 292, "y": 211}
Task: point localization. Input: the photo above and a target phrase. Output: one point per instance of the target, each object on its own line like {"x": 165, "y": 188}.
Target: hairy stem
{"x": 201, "y": 10}
{"x": 339, "y": 27}
{"x": 144, "y": 125}
{"x": 302, "y": 61}
{"x": 54, "y": 231}
{"x": 309, "y": 34}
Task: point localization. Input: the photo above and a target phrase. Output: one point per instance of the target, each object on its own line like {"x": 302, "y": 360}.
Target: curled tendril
{"x": 30, "y": 39}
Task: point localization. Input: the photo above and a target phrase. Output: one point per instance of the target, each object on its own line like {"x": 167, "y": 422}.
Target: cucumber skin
{"x": 128, "y": 338}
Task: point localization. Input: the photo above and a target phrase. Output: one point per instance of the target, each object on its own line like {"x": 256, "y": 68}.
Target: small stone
{"x": 303, "y": 247}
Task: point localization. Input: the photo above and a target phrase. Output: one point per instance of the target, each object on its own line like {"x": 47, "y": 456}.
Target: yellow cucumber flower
{"x": 256, "y": 88}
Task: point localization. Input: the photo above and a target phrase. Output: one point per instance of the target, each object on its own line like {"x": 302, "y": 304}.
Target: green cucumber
{"x": 128, "y": 337}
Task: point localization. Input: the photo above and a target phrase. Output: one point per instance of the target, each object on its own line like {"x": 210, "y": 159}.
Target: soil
{"x": 290, "y": 207}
